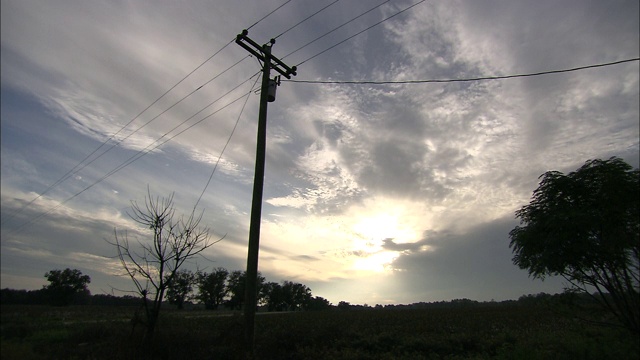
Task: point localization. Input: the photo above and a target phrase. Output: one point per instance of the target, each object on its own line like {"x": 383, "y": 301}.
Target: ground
{"x": 501, "y": 331}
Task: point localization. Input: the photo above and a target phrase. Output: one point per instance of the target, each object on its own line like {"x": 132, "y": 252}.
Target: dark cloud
{"x": 389, "y": 244}
{"x": 476, "y": 262}
{"x": 307, "y": 258}
{"x": 331, "y": 130}
{"x": 392, "y": 168}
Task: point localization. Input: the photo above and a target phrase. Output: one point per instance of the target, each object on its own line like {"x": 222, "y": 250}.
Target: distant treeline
{"x": 530, "y": 299}
{"x": 40, "y": 297}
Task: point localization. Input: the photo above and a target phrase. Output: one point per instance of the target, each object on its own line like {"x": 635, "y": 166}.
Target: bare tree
{"x": 152, "y": 265}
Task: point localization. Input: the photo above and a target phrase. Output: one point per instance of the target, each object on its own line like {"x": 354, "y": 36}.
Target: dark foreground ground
{"x": 481, "y": 332}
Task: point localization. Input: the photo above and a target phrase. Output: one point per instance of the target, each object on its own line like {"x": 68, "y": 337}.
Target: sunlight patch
{"x": 376, "y": 262}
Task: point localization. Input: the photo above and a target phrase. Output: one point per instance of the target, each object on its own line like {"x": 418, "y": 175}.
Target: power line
{"x": 225, "y": 145}
{"x": 176, "y": 103}
{"x": 249, "y": 93}
{"x": 336, "y": 28}
{"x": 360, "y": 32}
{"x": 79, "y": 166}
{"x": 133, "y": 159}
{"x": 264, "y": 17}
{"x": 163, "y": 112}
{"x": 148, "y": 148}
{"x": 305, "y": 19}
{"x": 483, "y": 78}
{"x": 141, "y": 153}
{"x": 76, "y": 168}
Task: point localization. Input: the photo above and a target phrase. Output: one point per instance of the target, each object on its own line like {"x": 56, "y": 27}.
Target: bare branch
{"x": 153, "y": 265}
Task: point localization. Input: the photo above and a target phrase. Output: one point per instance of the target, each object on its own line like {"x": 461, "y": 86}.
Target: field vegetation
{"x": 525, "y": 329}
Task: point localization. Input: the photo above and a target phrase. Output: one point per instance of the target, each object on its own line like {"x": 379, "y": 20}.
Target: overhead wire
{"x": 215, "y": 167}
{"x": 247, "y": 96}
{"x": 336, "y": 28}
{"x": 79, "y": 166}
{"x": 75, "y": 169}
{"x": 266, "y": 16}
{"x": 140, "y": 154}
{"x": 146, "y": 150}
{"x": 149, "y": 147}
{"x": 360, "y": 32}
{"x": 483, "y": 78}
{"x": 164, "y": 111}
{"x": 305, "y": 19}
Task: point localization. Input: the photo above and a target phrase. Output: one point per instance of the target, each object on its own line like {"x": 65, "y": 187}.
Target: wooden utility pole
{"x": 269, "y": 61}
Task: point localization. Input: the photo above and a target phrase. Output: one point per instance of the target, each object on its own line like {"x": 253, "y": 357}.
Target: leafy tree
{"x": 179, "y": 288}
{"x": 66, "y": 285}
{"x": 23, "y": 297}
{"x": 297, "y": 295}
{"x": 112, "y": 300}
{"x": 236, "y": 286}
{"x": 274, "y": 297}
{"x": 235, "y": 290}
{"x": 212, "y": 288}
{"x": 289, "y": 296}
{"x": 585, "y": 227}
{"x": 344, "y": 305}
{"x": 318, "y": 303}
{"x": 152, "y": 265}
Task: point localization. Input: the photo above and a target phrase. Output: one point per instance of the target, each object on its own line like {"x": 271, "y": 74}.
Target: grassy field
{"x": 480, "y": 332}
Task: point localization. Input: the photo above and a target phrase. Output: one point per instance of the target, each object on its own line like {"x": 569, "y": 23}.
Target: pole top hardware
{"x": 258, "y": 51}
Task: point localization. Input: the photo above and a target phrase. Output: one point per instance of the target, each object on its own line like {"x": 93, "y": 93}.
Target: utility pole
{"x": 267, "y": 95}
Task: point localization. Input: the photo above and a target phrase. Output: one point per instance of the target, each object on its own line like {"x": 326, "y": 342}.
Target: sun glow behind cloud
{"x": 384, "y": 225}
{"x": 376, "y": 262}
{"x": 346, "y": 246}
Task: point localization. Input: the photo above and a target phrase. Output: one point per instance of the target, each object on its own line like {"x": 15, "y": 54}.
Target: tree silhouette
{"x": 585, "y": 227}
{"x": 236, "y": 283}
{"x": 344, "y": 305}
{"x": 212, "y": 287}
{"x": 274, "y": 298}
{"x": 179, "y": 288}
{"x": 318, "y": 303}
{"x": 297, "y": 295}
{"x": 289, "y": 296}
{"x": 152, "y": 265}
{"x": 66, "y": 285}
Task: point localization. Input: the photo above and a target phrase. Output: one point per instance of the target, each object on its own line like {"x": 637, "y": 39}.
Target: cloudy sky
{"x": 375, "y": 194}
